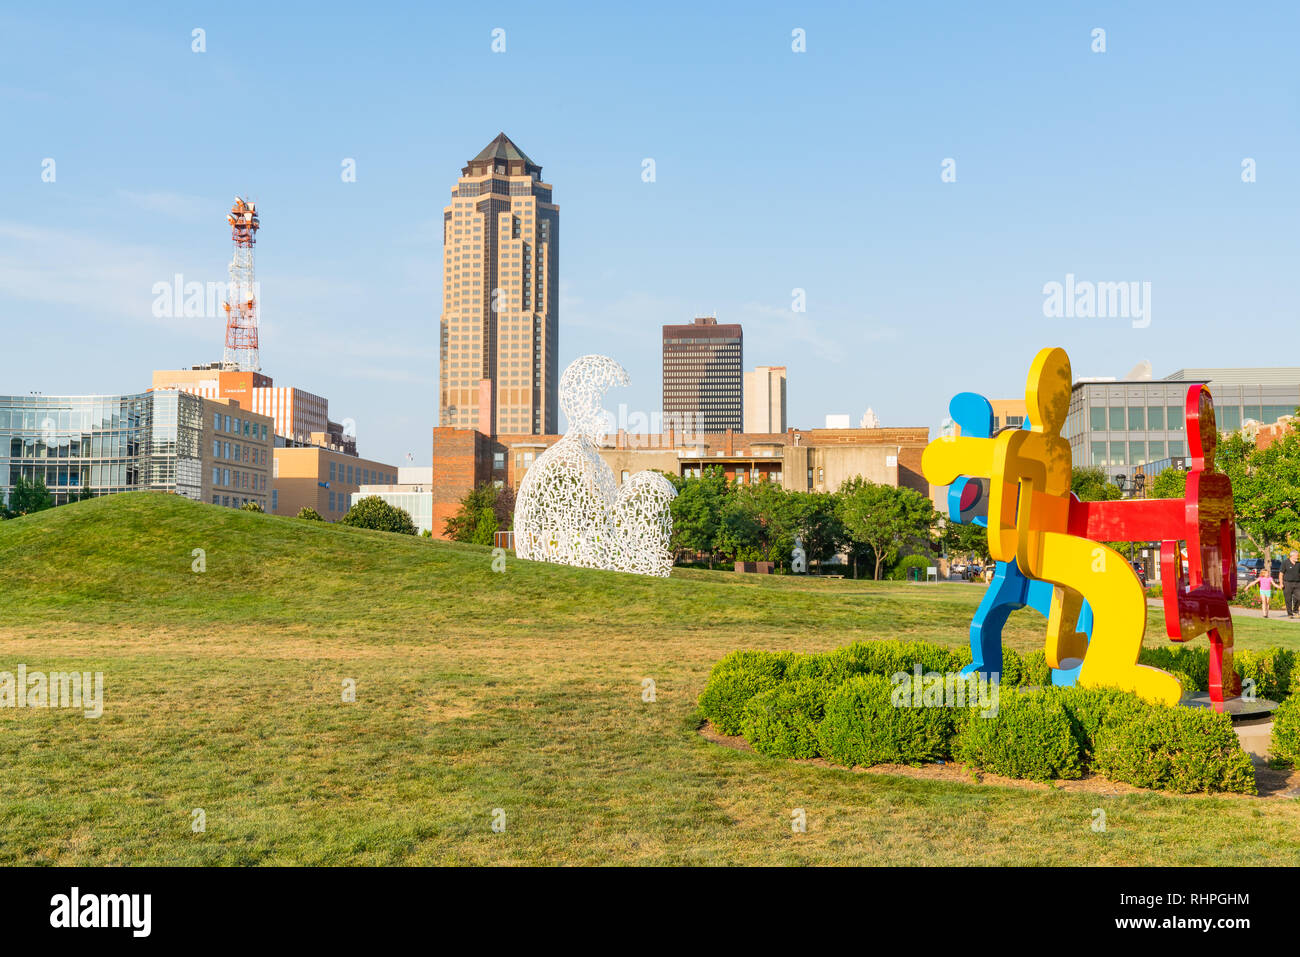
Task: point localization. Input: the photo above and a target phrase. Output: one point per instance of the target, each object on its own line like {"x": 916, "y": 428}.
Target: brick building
{"x": 798, "y": 459}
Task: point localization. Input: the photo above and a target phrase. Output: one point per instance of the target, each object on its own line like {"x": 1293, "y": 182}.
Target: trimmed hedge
{"x": 1175, "y": 749}
{"x": 1271, "y": 670}
{"x": 734, "y": 680}
{"x": 783, "y": 721}
{"x": 862, "y": 725}
{"x": 1285, "y": 743}
{"x": 846, "y": 706}
{"x": 1030, "y": 736}
{"x": 1091, "y": 709}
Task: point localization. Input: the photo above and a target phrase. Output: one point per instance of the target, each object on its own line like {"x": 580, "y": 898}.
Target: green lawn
{"x": 478, "y": 690}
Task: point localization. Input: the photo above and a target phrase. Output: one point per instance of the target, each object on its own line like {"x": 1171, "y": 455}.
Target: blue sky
{"x": 775, "y": 171}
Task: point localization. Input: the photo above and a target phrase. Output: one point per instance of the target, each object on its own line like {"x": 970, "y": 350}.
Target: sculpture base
{"x": 1237, "y": 708}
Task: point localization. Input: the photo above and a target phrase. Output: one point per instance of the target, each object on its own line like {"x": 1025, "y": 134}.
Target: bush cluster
{"x": 855, "y": 706}
{"x": 1285, "y": 744}
{"x": 1271, "y": 670}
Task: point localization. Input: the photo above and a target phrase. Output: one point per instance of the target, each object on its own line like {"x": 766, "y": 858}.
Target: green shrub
{"x": 1091, "y": 709}
{"x": 373, "y": 512}
{"x": 1036, "y": 671}
{"x": 1174, "y": 749}
{"x": 309, "y": 514}
{"x": 899, "y": 571}
{"x": 251, "y": 507}
{"x": 1271, "y": 671}
{"x": 1013, "y": 668}
{"x": 782, "y": 722}
{"x": 862, "y": 726}
{"x": 1190, "y": 663}
{"x": 1285, "y": 744}
{"x": 734, "y": 680}
{"x": 1029, "y": 736}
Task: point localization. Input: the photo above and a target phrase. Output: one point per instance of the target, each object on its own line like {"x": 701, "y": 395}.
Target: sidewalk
{"x": 1276, "y": 613}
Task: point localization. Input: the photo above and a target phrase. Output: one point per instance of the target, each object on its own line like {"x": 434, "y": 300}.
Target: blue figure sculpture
{"x": 1010, "y": 588}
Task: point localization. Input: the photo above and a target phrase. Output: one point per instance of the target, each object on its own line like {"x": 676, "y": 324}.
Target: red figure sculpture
{"x": 1195, "y": 603}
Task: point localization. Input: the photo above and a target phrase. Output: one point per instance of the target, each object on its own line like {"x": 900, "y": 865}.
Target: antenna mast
{"x": 241, "y": 305}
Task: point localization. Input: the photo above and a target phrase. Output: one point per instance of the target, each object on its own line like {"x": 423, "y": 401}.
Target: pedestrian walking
{"x": 1265, "y": 585}
{"x": 1291, "y": 582}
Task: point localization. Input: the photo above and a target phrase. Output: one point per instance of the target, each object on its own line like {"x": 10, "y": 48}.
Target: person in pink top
{"x": 1265, "y": 583}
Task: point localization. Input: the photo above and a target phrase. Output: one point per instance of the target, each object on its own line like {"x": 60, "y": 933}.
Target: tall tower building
{"x": 499, "y": 349}
{"x": 702, "y": 375}
{"x": 765, "y": 399}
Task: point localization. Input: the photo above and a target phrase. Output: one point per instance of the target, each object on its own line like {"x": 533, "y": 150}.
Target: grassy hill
{"x": 477, "y": 690}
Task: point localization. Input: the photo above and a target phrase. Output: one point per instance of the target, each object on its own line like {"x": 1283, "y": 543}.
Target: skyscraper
{"x": 765, "y": 399}
{"x": 499, "y": 337}
{"x": 702, "y": 375}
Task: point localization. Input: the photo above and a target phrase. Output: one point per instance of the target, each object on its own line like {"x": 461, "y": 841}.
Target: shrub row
{"x": 844, "y": 706}
{"x": 1285, "y": 746}
{"x": 1271, "y": 670}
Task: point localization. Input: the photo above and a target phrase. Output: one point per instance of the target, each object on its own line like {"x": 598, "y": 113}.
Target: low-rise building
{"x": 311, "y": 476}
{"x": 798, "y": 459}
{"x": 413, "y": 491}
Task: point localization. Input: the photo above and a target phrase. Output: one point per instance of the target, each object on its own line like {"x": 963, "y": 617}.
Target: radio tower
{"x": 241, "y": 305}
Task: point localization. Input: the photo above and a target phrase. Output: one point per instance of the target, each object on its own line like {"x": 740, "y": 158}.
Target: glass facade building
{"x": 102, "y": 444}
{"x": 1121, "y": 426}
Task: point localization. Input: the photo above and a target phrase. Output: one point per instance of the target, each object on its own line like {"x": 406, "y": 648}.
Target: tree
{"x": 1171, "y": 483}
{"x": 26, "y": 497}
{"x": 308, "y": 514}
{"x": 885, "y": 519}
{"x": 1265, "y": 488}
{"x": 373, "y": 512}
{"x": 484, "y": 511}
{"x": 966, "y": 540}
{"x": 1091, "y": 485}
{"x": 820, "y": 530}
{"x": 697, "y": 513}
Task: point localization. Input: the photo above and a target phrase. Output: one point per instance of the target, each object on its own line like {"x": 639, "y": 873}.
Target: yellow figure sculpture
{"x": 1029, "y": 514}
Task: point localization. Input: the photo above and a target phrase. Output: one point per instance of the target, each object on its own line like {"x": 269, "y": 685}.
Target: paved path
{"x": 1276, "y": 613}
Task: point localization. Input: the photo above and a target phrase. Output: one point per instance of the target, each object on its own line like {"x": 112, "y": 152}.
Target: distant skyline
{"x": 775, "y": 172}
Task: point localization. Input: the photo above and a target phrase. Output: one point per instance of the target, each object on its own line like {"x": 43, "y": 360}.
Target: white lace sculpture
{"x": 568, "y": 509}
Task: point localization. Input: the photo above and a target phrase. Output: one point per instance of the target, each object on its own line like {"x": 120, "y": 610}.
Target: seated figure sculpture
{"x": 569, "y": 509}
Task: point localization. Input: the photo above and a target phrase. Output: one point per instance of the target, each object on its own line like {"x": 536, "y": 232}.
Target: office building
{"x": 765, "y": 399}
{"x": 703, "y": 381}
{"x": 208, "y": 450}
{"x": 1122, "y": 426}
{"x": 499, "y": 332}
{"x": 297, "y": 414}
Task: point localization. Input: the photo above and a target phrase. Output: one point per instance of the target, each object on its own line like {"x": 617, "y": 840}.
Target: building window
{"x": 1137, "y": 419}
{"x": 332, "y": 502}
{"x": 1117, "y": 418}
{"x": 1156, "y": 417}
{"x": 275, "y": 497}
{"x": 331, "y": 471}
